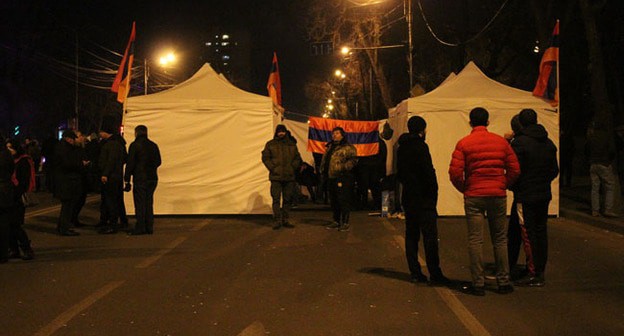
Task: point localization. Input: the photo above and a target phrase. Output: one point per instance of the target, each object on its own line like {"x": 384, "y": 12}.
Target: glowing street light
{"x": 338, "y": 73}
{"x": 170, "y": 58}
{"x": 345, "y": 50}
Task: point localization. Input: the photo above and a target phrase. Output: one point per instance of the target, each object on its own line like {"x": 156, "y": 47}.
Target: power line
{"x": 422, "y": 12}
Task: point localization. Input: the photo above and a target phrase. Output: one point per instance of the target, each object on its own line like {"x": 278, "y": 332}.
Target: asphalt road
{"x": 234, "y": 275}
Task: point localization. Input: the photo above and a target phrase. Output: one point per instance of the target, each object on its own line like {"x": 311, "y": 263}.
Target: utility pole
{"x": 145, "y": 75}
{"x": 408, "y": 17}
{"x": 76, "y": 82}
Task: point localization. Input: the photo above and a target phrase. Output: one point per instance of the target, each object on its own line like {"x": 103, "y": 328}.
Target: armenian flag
{"x": 547, "y": 85}
{"x": 121, "y": 84}
{"x": 274, "y": 84}
{"x": 364, "y": 135}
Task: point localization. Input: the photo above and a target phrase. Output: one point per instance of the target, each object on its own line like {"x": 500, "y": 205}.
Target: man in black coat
{"x": 7, "y": 202}
{"x": 143, "y": 162}
{"x": 112, "y": 159}
{"x": 537, "y": 156}
{"x": 419, "y": 199}
{"x": 68, "y": 180}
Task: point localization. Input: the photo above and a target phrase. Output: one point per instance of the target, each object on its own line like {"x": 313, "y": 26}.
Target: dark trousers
{"x": 416, "y": 222}
{"x": 121, "y": 208}
{"x": 535, "y": 220}
{"x": 79, "y": 204}
{"x": 5, "y": 219}
{"x": 282, "y": 191}
{"x": 112, "y": 190}
{"x": 18, "y": 237}
{"x": 369, "y": 178}
{"x": 143, "y": 194}
{"x": 68, "y": 208}
{"x": 341, "y": 197}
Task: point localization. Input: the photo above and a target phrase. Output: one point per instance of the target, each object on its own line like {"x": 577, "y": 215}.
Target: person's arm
{"x": 267, "y": 157}
{"x": 457, "y": 167}
{"x": 512, "y": 166}
{"x": 131, "y": 164}
{"x": 22, "y": 174}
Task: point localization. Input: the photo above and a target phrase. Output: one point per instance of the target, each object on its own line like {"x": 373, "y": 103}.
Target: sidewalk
{"x": 575, "y": 204}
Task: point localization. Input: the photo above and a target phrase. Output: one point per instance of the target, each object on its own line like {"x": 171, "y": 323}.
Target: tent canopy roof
{"x": 205, "y": 84}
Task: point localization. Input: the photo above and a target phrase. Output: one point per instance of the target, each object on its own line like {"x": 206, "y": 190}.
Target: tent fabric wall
{"x": 446, "y": 110}
{"x": 211, "y": 135}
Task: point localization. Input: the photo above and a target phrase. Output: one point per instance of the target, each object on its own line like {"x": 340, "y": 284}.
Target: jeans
{"x": 477, "y": 210}
{"x": 601, "y": 174}
{"x": 425, "y": 221}
{"x": 284, "y": 191}
{"x": 143, "y": 195}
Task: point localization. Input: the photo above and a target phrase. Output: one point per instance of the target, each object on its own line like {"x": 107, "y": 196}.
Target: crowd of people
{"x": 73, "y": 167}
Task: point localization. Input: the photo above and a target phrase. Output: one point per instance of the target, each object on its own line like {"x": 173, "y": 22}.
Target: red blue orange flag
{"x": 547, "y": 85}
{"x": 364, "y": 135}
{"x": 274, "y": 84}
{"x": 121, "y": 84}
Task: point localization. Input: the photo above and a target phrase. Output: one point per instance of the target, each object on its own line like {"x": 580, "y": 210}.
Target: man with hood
{"x": 419, "y": 199}
{"x": 281, "y": 157}
{"x": 112, "y": 159}
{"x": 338, "y": 163}
{"x": 537, "y": 156}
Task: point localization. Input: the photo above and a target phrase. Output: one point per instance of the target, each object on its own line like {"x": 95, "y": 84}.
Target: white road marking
{"x": 463, "y": 314}
{"x": 62, "y": 320}
{"x": 152, "y": 259}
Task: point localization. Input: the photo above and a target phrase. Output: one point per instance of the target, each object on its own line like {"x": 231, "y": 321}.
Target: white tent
{"x": 211, "y": 135}
{"x": 446, "y": 110}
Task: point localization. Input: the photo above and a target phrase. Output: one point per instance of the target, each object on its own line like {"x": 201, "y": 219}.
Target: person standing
{"x": 483, "y": 167}
{"x": 24, "y": 181}
{"x": 68, "y": 180}
{"x": 80, "y": 147}
{"x": 600, "y": 152}
{"x": 143, "y": 162}
{"x": 419, "y": 199}
{"x": 281, "y": 157}
{"x": 338, "y": 163}
{"x": 7, "y": 201}
{"x": 537, "y": 156}
{"x": 112, "y": 158}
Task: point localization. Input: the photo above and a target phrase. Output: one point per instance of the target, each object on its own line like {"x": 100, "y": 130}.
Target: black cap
{"x": 69, "y": 134}
{"x": 280, "y": 128}
{"x": 527, "y": 117}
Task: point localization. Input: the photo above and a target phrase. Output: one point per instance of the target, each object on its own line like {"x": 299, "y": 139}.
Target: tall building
{"x": 229, "y": 53}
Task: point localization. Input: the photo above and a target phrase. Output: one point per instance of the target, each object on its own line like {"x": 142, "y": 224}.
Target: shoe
{"x": 518, "y": 274}
{"x": 439, "y": 280}
{"x": 344, "y": 227}
{"x": 418, "y": 278}
{"x": 333, "y": 225}
{"x": 29, "y": 254}
{"x": 595, "y": 214}
{"x": 611, "y": 214}
{"x": 472, "y": 290}
{"x": 136, "y": 233}
{"x": 107, "y": 231}
{"x": 287, "y": 225}
{"x": 277, "y": 226}
{"x": 533, "y": 281}
{"x": 69, "y": 233}
{"x": 505, "y": 289}
{"x": 14, "y": 255}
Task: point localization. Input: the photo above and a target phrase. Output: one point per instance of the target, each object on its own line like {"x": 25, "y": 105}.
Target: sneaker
{"x": 472, "y": 290}
{"x": 344, "y": 227}
{"x": 534, "y": 281}
{"x": 505, "y": 289}
{"x": 595, "y": 214}
{"x": 333, "y": 225}
{"x": 29, "y": 254}
{"x": 418, "y": 278}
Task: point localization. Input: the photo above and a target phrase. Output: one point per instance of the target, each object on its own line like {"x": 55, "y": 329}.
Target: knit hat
{"x": 528, "y": 117}
{"x": 416, "y": 124}
{"x": 387, "y": 132}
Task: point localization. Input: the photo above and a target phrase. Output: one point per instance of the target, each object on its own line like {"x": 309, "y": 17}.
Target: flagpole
{"x": 559, "y": 120}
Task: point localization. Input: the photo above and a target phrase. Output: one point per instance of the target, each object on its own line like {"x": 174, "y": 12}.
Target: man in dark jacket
{"x": 68, "y": 180}
{"x": 537, "y": 156}
{"x": 420, "y": 198}
{"x": 143, "y": 162}
{"x": 281, "y": 157}
{"x": 7, "y": 202}
{"x": 112, "y": 158}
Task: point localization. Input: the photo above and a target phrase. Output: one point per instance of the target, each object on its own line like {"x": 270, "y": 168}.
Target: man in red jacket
{"x": 482, "y": 168}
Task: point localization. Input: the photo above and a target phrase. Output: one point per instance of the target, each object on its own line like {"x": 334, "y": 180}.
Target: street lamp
{"x": 166, "y": 60}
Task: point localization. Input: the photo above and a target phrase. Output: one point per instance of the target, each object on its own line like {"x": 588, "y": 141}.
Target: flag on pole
{"x": 547, "y": 85}
{"x": 364, "y": 135}
{"x": 121, "y": 84}
{"x": 274, "y": 84}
